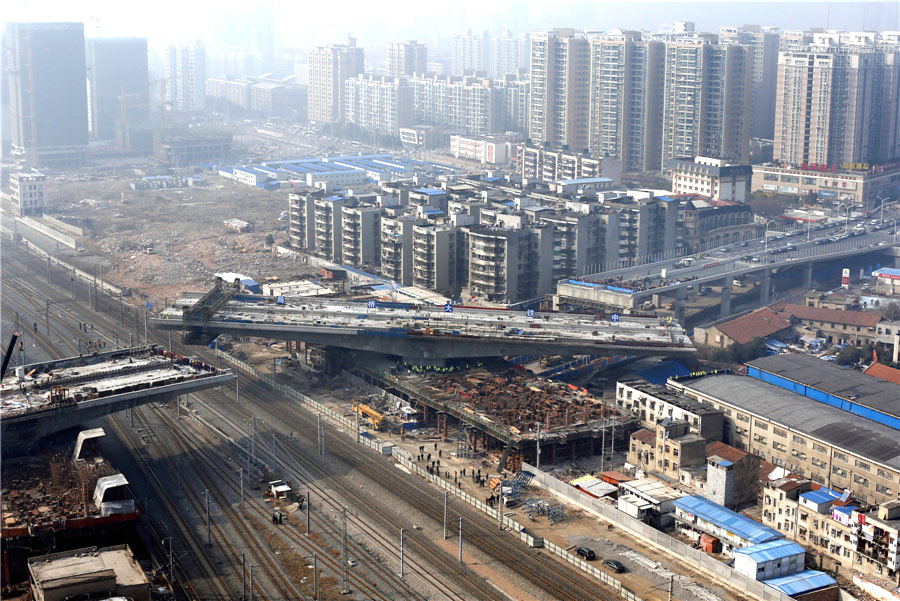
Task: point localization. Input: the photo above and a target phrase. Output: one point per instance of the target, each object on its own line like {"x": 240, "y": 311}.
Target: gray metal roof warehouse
{"x": 840, "y": 387}
{"x": 853, "y": 433}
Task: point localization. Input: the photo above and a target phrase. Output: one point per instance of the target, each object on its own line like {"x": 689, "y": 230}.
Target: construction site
{"x": 490, "y": 409}
{"x": 66, "y": 497}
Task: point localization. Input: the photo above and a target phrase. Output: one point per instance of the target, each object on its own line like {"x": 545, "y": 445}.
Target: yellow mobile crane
{"x": 376, "y": 420}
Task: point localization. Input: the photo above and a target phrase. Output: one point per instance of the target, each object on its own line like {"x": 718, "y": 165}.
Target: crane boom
{"x": 9, "y": 350}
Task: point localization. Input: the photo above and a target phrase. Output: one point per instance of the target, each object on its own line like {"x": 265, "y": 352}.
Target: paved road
{"x": 804, "y": 244}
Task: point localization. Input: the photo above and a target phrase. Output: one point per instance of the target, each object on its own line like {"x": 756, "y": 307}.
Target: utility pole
{"x": 47, "y": 309}
{"x": 319, "y": 432}
{"x": 237, "y": 386}
{"x": 401, "y": 552}
{"x": 460, "y": 539}
{"x": 243, "y": 577}
{"x": 274, "y": 453}
{"x": 171, "y": 571}
{"x": 116, "y": 332}
{"x": 146, "y": 517}
{"x": 121, "y": 311}
{"x": 170, "y": 341}
{"x": 357, "y": 421}
{"x": 251, "y": 580}
{"x": 671, "y": 586}
{"x": 308, "y": 511}
{"x": 315, "y": 576}
{"x": 345, "y": 576}
{"x": 323, "y": 444}
{"x": 208, "y": 531}
{"x": 538, "y": 439}
{"x": 241, "y": 480}
{"x": 446, "y": 499}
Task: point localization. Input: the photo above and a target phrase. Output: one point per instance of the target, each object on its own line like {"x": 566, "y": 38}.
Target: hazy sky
{"x": 305, "y": 23}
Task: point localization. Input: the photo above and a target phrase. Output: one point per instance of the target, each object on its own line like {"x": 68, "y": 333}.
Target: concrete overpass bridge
{"x": 42, "y": 399}
{"x": 667, "y": 282}
{"x": 422, "y": 334}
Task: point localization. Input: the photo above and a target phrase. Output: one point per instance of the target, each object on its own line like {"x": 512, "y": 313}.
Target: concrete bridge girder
{"x": 28, "y": 429}
{"x": 425, "y": 347}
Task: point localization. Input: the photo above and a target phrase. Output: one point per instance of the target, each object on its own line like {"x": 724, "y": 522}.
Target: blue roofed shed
{"x": 696, "y": 515}
{"x": 802, "y": 583}
{"x": 771, "y": 559}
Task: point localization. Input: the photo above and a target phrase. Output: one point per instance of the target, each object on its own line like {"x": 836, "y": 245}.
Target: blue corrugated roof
{"x": 848, "y": 509}
{"x": 740, "y": 525}
{"x": 725, "y": 463}
{"x": 429, "y": 191}
{"x": 823, "y": 495}
{"x": 773, "y": 549}
{"x": 801, "y": 582}
{"x": 662, "y": 371}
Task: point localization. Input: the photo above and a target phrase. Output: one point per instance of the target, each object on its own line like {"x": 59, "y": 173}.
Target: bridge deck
{"x": 397, "y": 320}
{"x": 66, "y": 383}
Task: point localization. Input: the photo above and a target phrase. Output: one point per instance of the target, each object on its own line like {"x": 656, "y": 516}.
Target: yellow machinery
{"x": 376, "y": 420}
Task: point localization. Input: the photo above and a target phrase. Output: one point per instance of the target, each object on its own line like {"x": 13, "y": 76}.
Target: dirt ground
{"x": 183, "y": 227}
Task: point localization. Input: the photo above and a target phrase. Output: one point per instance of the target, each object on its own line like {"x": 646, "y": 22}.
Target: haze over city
{"x": 408, "y": 301}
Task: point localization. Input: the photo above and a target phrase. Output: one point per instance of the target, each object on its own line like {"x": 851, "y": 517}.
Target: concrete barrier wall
{"x": 49, "y": 231}
{"x": 66, "y": 227}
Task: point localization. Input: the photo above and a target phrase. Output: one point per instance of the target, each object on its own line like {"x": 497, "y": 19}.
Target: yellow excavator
{"x": 376, "y": 420}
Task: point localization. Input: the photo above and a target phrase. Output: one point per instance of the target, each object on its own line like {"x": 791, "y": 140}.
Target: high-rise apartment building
{"x": 380, "y": 105}
{"x": 406, "y": 58}
{"x": 764, "y": 43}
{"x": 45, "y": 66}
{"x": 118, "y": 84}
{"x": 706, "y": 100}
{"x": 185, "y": 72}
{"x": 470, "y": 53}
{"x": 625, "y": 100}
{"x": 361, "y": 236}
{"x": 434, "y": 258}
{"x": 838, "y": 104}
{"x": 508, "y": 55}
{"x": 329, "y": 67}
{"x": 560, "y": 90}
{"x": 514, "y": 103}
{"x": 397, "y": 248}
{"x": 509, "y": 265}
{"x": 469, "y": 105}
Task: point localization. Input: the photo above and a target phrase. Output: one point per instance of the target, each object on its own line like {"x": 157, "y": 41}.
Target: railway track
{"x": 540, "y": 569}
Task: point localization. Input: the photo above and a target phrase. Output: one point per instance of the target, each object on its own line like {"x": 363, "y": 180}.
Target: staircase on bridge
{"x": 205, "y": 308}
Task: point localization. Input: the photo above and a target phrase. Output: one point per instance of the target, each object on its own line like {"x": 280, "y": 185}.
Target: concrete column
{"x": 765, "y": 286}
{"x": 807, "y": 276}
{"x": 680, "y": 301}
{"x": 725, "y": 306}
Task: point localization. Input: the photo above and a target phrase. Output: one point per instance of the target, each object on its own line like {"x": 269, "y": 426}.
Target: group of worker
{"x": 442, "y": 369}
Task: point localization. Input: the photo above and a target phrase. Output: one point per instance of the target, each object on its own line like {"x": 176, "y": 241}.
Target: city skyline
{"x": 408, "y": 20}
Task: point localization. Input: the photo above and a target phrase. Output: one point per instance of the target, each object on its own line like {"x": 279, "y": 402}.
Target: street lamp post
{"x": 766, "y": 236}
{"x": 882, "y": 199}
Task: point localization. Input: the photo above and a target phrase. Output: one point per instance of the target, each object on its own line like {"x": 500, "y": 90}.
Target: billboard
{"x": 827, "y": 193}
{"x": 845, "y": 278}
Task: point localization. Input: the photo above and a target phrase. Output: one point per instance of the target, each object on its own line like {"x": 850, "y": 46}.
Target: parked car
{"x": 615, "y": 566}
{"x": 588, "y": 554}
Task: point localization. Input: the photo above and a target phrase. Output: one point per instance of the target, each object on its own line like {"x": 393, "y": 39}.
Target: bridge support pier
{"x": 725, "y": 305}
{"x": 807, "y": 276}
{"x": 680, "y": 302}
{"x": 765, "y": 286}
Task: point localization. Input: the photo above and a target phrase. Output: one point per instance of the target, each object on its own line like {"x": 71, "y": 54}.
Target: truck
{"x": 685, "y": 262}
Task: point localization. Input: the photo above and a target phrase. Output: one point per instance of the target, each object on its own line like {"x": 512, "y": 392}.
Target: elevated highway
{"x": 425, "y": 334}
{"x": 656, "y": 282}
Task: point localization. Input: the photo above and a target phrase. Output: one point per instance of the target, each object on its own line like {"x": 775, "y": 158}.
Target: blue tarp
{"x": 740, "y": 525}
{"x": 662, "y": 371}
